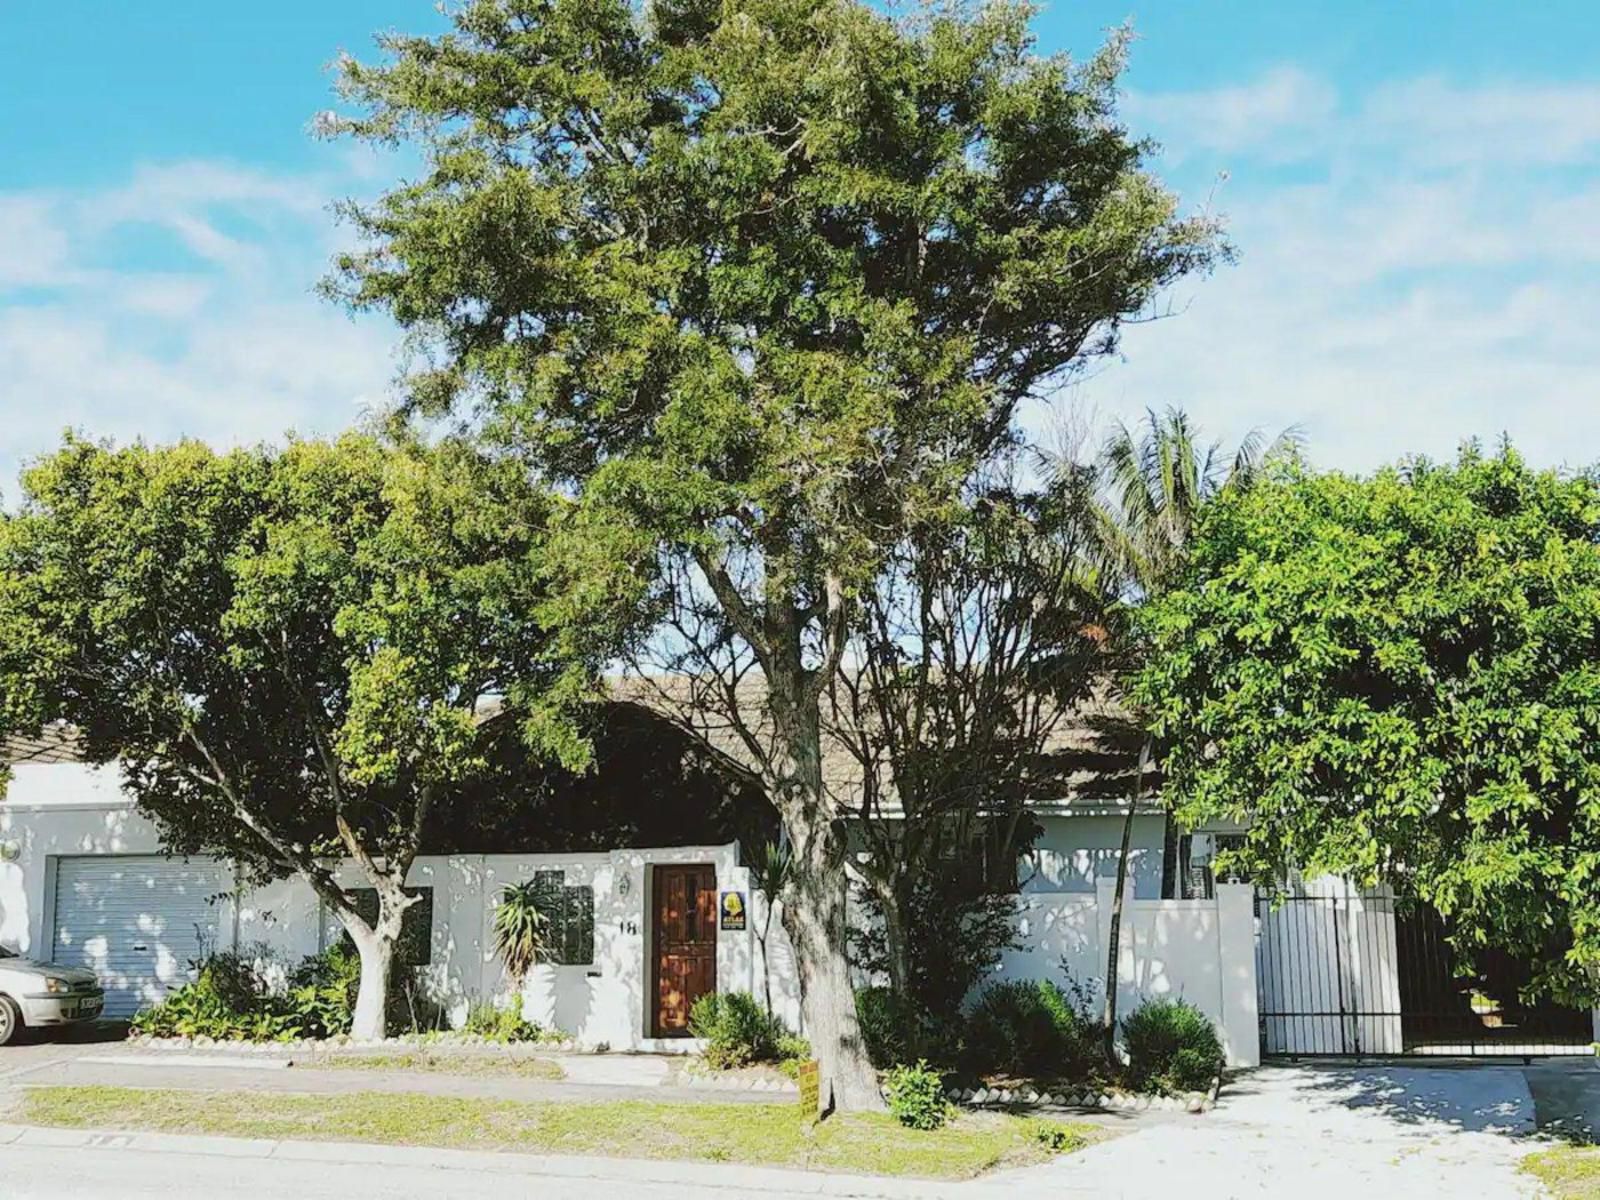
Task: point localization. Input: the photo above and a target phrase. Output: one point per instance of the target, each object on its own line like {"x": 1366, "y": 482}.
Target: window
{"x": 569, "y": 917}
{"x": 415, "y": 945}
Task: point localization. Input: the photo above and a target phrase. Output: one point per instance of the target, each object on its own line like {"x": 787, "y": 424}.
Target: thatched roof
{"x": 1091, "y": 755}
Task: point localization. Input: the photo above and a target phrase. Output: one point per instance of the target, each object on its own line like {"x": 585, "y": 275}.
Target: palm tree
{"x": 769, "y": 874}
{"x": 1156, "y": 481}
{"x": 519, "y": 930}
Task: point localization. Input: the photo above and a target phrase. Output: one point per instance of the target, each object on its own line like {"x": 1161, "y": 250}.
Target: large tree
{"x": 284, "y": 650}
{"x": 1156, "y": 479}
{"x": 1397, "y": 678}
{"x": 761, "y": 283}
{"x": 969, "y": 661}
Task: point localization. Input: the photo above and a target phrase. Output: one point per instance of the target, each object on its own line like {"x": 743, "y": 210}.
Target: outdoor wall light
{"x": 10, "y": 851}
{"x": 625, "y": 884}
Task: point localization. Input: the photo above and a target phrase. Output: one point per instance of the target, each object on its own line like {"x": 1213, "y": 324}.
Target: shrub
{"x": 955, "y": 932}
{"x": 322, "y": 990}
{"x": 916, "y": 1096}
{"x": 883, "y": 1017}
{"x": 1053, "y": 1137}
{"x": 738, "y": 1031}
{"x": 1172, "y": 1047}
{"x": 230, "y": 1000}
{"x": 1028, "y": 1027}
{"x": 488, "y": 1020}
{"x": 897, "y": 1030}
{"x": 519, "y": 929}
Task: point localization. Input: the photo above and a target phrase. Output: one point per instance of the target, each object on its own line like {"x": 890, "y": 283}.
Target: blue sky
{"x": 1414, "y": 190}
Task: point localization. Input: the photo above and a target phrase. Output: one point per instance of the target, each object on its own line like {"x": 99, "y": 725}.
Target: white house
{"x": 644, "y": 929}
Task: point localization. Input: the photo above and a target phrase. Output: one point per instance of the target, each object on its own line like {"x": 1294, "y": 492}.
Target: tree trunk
{"x": 766, "y": 963}
{"x": 896, "y": 951}
{"x": 815, "y": 909}
{"x": 1108, "y": 1013}
{"x": 375, "y": 947}
{"x": 814, "y": 917}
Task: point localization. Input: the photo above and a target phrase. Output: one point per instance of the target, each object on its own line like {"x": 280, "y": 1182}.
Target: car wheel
{"x": 10, "y": 1020}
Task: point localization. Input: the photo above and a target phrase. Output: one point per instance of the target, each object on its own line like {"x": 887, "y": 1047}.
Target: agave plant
{"x": 519, "y": 930}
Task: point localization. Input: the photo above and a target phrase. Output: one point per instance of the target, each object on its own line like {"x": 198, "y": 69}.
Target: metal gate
{"x": 1362, "y": 974}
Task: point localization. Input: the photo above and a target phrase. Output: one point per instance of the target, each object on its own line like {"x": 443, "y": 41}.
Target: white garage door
{"x": 137, "y": 922}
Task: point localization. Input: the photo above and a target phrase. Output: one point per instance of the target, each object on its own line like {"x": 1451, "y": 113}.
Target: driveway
{"x": 1337, "y": 1131}
{"x": 35, "y": 1050}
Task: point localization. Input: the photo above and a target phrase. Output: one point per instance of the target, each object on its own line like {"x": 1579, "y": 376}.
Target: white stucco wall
{"x": 68, "y": 809}
{"x": 1202, "y": 951}
{"x": 1073, "y": 852}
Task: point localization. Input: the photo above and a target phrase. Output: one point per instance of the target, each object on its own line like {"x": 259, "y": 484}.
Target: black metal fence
{"x": 1360, "y": 974}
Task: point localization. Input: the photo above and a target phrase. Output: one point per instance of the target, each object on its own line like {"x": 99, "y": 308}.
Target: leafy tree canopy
{"x": 1398, "y": 677}
{"x": 762, "y": 283}
{"x": 285, "y": 650}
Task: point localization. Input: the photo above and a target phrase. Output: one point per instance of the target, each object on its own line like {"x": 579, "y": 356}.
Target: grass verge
{"x": 768, "y": 1135}
{"x": 499, "y": 1065}
{"x": 1570, "y": 1172}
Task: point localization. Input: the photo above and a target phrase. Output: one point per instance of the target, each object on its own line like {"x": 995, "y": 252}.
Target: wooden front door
{"x": 685, "y": 943}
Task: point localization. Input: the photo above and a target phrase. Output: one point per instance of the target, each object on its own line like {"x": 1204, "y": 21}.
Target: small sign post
{"x": 810, "y": 1079}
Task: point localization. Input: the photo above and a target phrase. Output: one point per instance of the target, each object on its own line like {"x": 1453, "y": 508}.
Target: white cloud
{"x": 1287, "y": 114}
{"x": 1421, "y": 271}
{"x": 103, "y": 330}
{"x": 1418, "y": 266}
{"x": 1283, "y": 105}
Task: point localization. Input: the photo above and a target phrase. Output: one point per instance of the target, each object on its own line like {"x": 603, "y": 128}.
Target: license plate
{"x": 90, "y": 1008}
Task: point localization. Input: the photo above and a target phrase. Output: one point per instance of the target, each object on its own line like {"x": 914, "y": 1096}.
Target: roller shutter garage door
{"x": 139, "y": 922}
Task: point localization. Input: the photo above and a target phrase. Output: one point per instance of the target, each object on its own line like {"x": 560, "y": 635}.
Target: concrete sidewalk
{"x": 399, "y": 1173}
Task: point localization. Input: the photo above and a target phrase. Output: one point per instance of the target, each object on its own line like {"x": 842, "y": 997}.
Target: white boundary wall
{"x": 76, "y": 810}
{"x": 1202, "y": 951}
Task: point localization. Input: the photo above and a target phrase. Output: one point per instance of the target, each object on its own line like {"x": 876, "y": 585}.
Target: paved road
{"x": 49, "y": 1174}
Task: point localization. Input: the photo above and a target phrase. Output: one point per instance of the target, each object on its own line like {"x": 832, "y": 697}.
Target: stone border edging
{"x": 712, "y": 1083}
{"x": 344, "y": 1043}
{"x": 983, "y": 1097}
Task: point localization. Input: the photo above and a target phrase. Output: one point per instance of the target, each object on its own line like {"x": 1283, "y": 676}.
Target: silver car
{"x": 38, "y": 995}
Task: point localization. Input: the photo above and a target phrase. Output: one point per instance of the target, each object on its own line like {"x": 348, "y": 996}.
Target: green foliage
{"x": 762, "y": 285}
{"x": 230, "y": 1000}
{"x": 519, "y": 930}
{"x": 886, "y": 1021}
{"x": 738, "y": 1031}
{"x": 1058, "y": 1139}
{"x": 324, "y": 987}
{"x": 285, "y": 649}
{"x": 1029, "y": 1028}
{"x": 916, "y": 1096}
{"x": 897, "y": 1029}
{"x": 1394, "y": 677}
{"x": 502, "y": 1023}
{"x": 1172, "y": 1047}
{"x": 954, "y": 929}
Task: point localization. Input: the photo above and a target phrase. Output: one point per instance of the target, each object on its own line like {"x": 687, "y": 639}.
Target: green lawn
{"x": 433, "y": 1062}
{"x": 1570, "y": 1172}
{"x": 770, "y": 1135}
